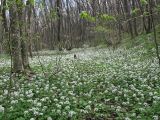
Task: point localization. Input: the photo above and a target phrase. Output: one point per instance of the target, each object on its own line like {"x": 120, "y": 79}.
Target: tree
{"x": 15, "y": 39}
{"x": 58, "y": 9}
{"x": 19, "y": 47}
{"x": 128, "y": 16}
{"x": 57, "y": 23}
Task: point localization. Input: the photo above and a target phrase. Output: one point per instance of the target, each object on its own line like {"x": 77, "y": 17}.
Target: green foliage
{"x": 110, "y": 83}
{"x": 102, "y": 29}
{"x": 85, "y": 15}
{"x": 135, "y": 11}
{"x": 41, "y": 5}
{"x": 20, "y": 5}
{"x": 19, "y": 2}
{"x": 106, "y": 17}
{"x": 53, "y": 14}
{"x": 146, "y": 13}
{"x": 10, "y": 3}
{"x": 144, "y": 2}
{"x": 6, "y": 7}
{"x": 31, "y": 2}
{"x": 158, "y": 8}
{"x": 1, "y": 18}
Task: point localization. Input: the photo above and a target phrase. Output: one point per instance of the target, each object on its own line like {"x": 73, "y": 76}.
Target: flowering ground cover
{"x": 101, "y": 84}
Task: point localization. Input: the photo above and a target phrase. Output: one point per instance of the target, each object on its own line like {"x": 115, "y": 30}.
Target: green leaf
{"x": 144, "y": 2}
{"x": 85, "y": 15}
{"x": 21, "y": 118}
{"x": 146, "y": 13}
{"x": 134, "y": 11}
{"x": 32, "y": 2}
{"x": 107, "y": 17}
{"x": 158, "y": 8}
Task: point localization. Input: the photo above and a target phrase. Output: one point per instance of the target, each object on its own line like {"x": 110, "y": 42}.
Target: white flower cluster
{"x": 1, "y": 109}
{"x": 99, "y": 82}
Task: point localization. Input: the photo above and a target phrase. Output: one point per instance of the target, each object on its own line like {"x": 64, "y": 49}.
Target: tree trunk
{"x": 134, "y": 20}
{"x": 128, "y": 16}
{"x": 15, "y": 40}
{"x": 24, "y": 40}
{"x": 59, "y": 24}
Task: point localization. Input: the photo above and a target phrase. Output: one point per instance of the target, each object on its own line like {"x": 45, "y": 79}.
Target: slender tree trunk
{"x": 149, "y": 21}
{"x": 59, "y": 23}
{"x": 128, "y": 16}
{"x": 154, "y": 30}
{"x": 28, "y": 14}
{"x": 15, "y": 40}
{"x": 24, "y": 40}
{"x": 4, "y": 20}
{"x": 134, "y": 20}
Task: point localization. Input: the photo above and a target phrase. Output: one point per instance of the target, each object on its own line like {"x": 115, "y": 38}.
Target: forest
{"x": 79, "y": 59}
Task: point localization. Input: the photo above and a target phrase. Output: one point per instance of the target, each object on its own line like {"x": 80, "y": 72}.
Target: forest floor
{"x": 100, "y": 84}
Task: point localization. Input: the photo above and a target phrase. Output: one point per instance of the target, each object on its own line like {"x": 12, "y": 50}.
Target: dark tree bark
{"x": 128, "y": 16}
{"x": 154, "y": 30}
{"x": 134, "y": 19}
{"x": 24, "y": 39}
{"x": 4, "y": 19}
{"x": 149, "y": 21}
{"x": 58, "y": 8}
{"x": 15, "y": 40}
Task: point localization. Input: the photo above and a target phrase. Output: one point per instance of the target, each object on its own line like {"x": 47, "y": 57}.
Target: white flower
{"x": 59, "y": 111}
{"x": 32, "y": 119}
{"x": 26, "y": 112}
{"x": 71, "y": 93}
{"x": 39, "y": 104}
{"x": 43, "y": 99}
{"x": 5, "y": 92}
{"x": 64, "y": 113}
{"x": 141, "y": 109}
{"x": 127, "y": 118}
{"x": 35, "y": 112}
{"x": 150, "y": 93}
{"x": 118, "y": 109}
{"x": 134, "y": 95}
{"x": 40, "y": 113}
{"x": 67, "y": 107}
{"x": 45, "y": 107}
{"x": 124, "y": 103}
{"x": 155, "y": 117}
{"x": 62, "y": 97}
{"x": 61, "y": 103}
{"x": 1, "y": 97}
{"x": 30, "y": 95}
{"x": 16, "y": 94}
{"x": 66, "y": 102}
{"x": 114, "y": 90}
{"x": 58, "y": 105}
{"x": 56, "y": 100}
{"x": 145, "y": 104}
{"x": 116, "y": 98}
{"x": 89, "y": 102}
{"x": 1, "y": 109}
{"x": 71, "y": 113}
{"x": 88, "y": 107}
{"x": 14, "y": 101}
{"x": 49, "y": 118}
{"x": 106, "y": 91}
{"x": 134, "y": 114}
